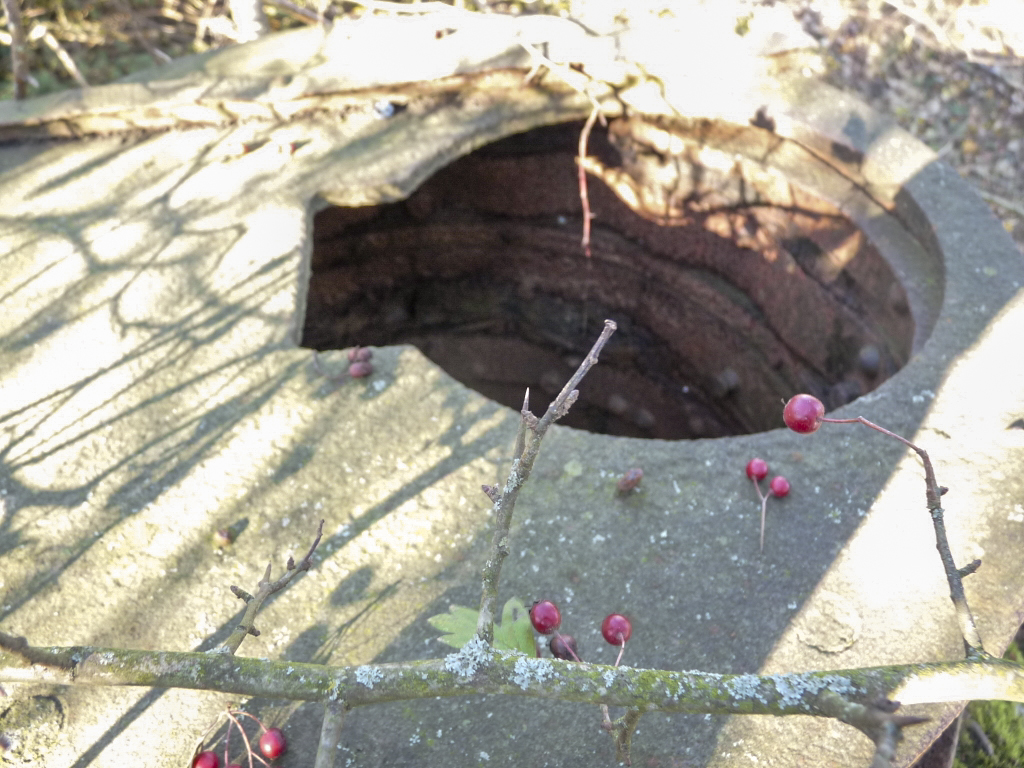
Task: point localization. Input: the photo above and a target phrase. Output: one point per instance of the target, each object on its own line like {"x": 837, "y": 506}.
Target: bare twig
{"x": 922, "y": 20}
{"x": 531, "y": 432}
{"x": 933, "y": 493}
{"x": 138, "y": 32}
{"x": 330, "y": 734}
{"x": 877, "y": 721}
{"x": 581, "y": 83}
{"x": 266, "y": 588}
{"x": 581, "y": 170}
{"x": 1002, "y": 202}
{"x": 19, "y": 646}
{"x": 625, "y": 727}
{"x": 384, "y": 6}
{"x": 304, "y": 14}
{"x": 51, "y": 42}
{"x": 19, "y": 68}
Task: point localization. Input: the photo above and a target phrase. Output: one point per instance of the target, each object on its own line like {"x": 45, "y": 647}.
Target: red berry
{"x": 360, "y": 354}
{"x": 360, "y": 369}
{"x": 564, "y": 647}
{"x": 803, "y": 413}
{"x": 757, "y": 469}
{"x": 545, "y": 617}
{"x": 272, "y": 743}
{"x": 206, "y": 760}
{"x": 630, "y": 480}
{"x": 616, "y": 629}
{"x": 779, "y": 486}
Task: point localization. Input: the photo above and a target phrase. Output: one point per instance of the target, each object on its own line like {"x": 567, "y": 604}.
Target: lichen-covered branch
{"x": 478, "y": 669}
{"x": 531, "y": 432}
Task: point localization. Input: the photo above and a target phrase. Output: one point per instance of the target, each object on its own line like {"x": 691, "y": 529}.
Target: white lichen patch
{"x": 468, "y": 658}
{"x": 529, "y": 671}
{"x": 609, "y": 678}
{"x": 509, "y": 653}
{"x": 368, "y": 676}
{"x": 745, "y": 687}
{"x": 793, "y": 688}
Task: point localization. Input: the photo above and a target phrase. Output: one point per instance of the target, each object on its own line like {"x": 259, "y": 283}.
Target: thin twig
{"x": 581, "y": 170}
{"x": 933, "y": 494}
{"x": 876, "y": 720}
{"x": 625, "y": 727}
{"x": 266, "y": 588}
{"x": 922, "y": 20}
{"x": 303, "y": 14}
{"x": 415, "y": 8}
{"x": 572, "y": 78}
{"x": 330, "y": 734}
{"x": 1002, "y": 202}
{"x": 62, "y": 55}
{"x": 19, "y": 67}
{"x": 531, "y": 431}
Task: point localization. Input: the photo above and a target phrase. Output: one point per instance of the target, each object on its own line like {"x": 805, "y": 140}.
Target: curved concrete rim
{"x": 153, "y": 392}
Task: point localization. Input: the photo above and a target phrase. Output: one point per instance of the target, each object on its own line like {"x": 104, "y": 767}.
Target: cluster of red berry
{"x": 616, "y": 629}
{"x": 757, "y": 470}
{"x": 272, "y": 745}
{"x": 803, "y": 414}
{"x": 359, "y": 362}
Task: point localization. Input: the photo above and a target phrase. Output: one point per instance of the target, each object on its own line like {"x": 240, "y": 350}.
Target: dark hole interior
{"x": 734, "y": 307}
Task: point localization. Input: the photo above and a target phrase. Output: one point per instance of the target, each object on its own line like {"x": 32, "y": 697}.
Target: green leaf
{"x": 459, "y": 624}
{"x": 514, "y": 633}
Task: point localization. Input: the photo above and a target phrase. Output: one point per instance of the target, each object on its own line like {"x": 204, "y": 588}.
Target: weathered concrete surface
{"x": 152, "y": 391}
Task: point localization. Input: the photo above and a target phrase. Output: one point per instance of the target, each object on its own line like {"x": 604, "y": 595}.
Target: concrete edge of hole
{"x": 148, "y": 404}
{"x": 963, "y": 277}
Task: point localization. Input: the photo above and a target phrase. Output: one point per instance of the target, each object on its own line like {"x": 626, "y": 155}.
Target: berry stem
{"x": 528, "y": 440}
{"x": 876, "y": 427}
{"x": 241, "y": 730}
{"x": 622, "y": 649}
{"x": 764, "y": 505}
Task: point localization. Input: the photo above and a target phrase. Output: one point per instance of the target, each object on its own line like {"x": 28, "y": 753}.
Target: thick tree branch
{"x": 477, "y": 669}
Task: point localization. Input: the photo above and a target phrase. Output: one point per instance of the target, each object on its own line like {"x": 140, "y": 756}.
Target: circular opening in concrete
{"x": 738, "y": 297}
